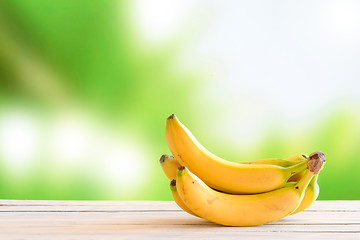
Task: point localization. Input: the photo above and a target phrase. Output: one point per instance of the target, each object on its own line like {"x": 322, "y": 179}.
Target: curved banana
{"x": 177, "y": 198}
{"x": 169, "y": 165}
{"x": 220, "y": 174}
{"x": 311, "y": 194}
{"x": 244, "y": 210}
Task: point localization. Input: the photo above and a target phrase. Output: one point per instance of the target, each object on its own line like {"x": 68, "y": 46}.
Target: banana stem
{"x": 314, "y": 164}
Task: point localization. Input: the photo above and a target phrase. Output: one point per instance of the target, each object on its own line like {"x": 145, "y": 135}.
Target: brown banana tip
{"x": 173, "y": 183}
{"x": 164, "y": 157}
{"x": 180, "y": 172}
{"x": 181, "y": 168}
{"x": 171, "y": 116}
{"x": 304, "y": 156}
{"x": 316, "y": 161}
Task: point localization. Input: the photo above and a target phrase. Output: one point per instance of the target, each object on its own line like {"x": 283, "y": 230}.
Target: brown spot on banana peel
{"x": 316, "y": 161}
{"x": 210, "y": 201}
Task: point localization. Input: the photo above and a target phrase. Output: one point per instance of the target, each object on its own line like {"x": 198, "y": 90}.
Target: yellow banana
{"x": 169, "y": 165}
{"x": 244, "y": 210}
{"x": 177, "y": 198}
{"x": 220, "y": 174}
{"x": 311, "y": 194}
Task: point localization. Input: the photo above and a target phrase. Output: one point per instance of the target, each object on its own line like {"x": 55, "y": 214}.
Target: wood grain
{"x": 164, "y": 220}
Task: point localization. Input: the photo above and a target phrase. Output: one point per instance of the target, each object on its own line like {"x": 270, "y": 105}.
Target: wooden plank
{"x": 98, "y": 206}
{"x": 341, "y": 205}
{"x": 169, "y": 218}
{"x": 351, "y": 205}
{"x": 150, "y": 204}
{"x": 101, "y": 232}
{"x": 197, "y": 230}
{"x": 178, "y": 222}
{"x": 90, "y": 208}
{"x": 95, "y": 226}
{"x": 180, "y": 235}
{"x": 164, "y": 220}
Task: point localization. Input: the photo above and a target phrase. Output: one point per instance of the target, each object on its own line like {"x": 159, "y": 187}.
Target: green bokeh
{"x": 86, "y": 55}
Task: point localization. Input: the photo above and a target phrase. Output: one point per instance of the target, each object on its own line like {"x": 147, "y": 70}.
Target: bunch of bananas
{"x": 237, "y": 194}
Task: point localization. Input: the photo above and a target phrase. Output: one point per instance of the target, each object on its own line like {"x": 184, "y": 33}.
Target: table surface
{"x": 24, "y": 219}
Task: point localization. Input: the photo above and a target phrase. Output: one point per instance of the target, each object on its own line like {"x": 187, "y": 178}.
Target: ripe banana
{"x": 311, "y": 194}
{"x": 169, "y": 165}
{"x": 220, "y": 174}
{"x": 177, "y": 198}
{"x": 244, "y": 210}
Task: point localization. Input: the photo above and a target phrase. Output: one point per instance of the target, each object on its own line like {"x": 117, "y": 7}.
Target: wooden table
{"x": 164, "y": 220}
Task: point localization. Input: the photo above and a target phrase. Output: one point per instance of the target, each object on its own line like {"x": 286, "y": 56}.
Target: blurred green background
{"x": 86, "y": 87}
